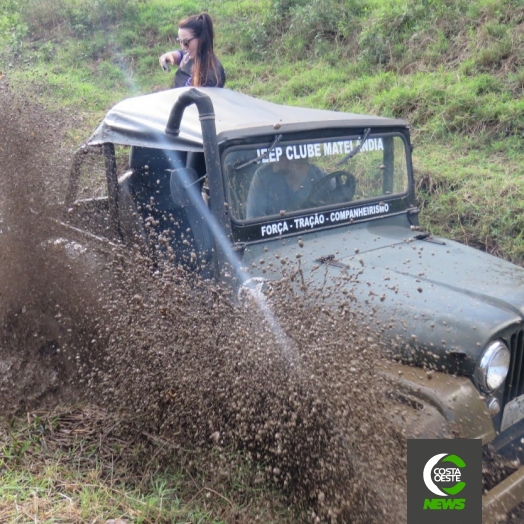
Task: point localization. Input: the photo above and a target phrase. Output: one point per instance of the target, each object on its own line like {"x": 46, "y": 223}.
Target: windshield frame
{"x": 250, "y": 229}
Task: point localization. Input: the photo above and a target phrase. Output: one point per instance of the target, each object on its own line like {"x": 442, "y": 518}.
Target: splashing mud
{"x": 197, "y": 369}
{"x": 180, "y": 357}
{"x": 44, "y": 301}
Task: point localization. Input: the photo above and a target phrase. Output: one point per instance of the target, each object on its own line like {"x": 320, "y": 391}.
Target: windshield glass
{"x": 301, "y": 175}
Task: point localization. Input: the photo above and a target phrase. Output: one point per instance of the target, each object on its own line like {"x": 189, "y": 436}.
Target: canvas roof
{"x": 142, "y": 120}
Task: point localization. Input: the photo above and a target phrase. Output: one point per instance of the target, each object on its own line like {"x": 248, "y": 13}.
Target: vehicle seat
{"x": 197, "y": 161}
{"x": 185, "y": 193}
{"x": 149, "y": 187}
{"x": 149, "y": 183}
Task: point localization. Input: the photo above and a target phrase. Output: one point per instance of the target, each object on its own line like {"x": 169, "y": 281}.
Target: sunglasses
{"x": 185, "y": 43}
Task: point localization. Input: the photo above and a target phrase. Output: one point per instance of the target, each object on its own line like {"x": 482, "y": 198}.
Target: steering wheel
{"x": 323, "y": 192}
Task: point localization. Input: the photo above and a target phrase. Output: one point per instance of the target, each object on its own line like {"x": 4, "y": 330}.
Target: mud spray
{"x": 178, "y": 356}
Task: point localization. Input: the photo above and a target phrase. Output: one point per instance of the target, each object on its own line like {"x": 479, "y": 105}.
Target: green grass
{"x": 453, "y": 69}
{"x": 59, "y": 494}
{"x": 476, "y": 199}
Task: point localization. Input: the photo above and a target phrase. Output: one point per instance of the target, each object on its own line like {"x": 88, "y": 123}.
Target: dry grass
{"x": 80, "y": 465}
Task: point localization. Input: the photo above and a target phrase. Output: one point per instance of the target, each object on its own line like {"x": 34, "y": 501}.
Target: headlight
{"x": 494, "y": 366}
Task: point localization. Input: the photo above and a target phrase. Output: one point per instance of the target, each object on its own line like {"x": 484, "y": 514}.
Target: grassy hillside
{"x": 453, "y": 68}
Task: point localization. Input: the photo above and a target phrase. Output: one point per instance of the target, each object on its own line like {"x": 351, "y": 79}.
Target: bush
{"x": 321, "y": 22}
{"x": 296, "y": 27}
{"x": 400, "y": 32}
{"x": 82, "y": 16}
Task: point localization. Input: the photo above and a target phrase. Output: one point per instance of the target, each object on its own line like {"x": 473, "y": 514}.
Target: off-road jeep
{"x": 221, "y": 180}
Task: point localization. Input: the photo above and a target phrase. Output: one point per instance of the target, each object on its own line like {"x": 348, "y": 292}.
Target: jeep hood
{"x": 436, "y": 294}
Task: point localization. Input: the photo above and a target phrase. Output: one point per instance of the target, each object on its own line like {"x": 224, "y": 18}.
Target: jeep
{"x": 232, "y": 187}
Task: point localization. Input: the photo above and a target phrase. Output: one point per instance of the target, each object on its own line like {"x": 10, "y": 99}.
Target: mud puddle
{"x": 179, "y": 357}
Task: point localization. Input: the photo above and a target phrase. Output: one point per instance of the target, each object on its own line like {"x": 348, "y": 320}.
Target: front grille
{"x": 515, "y": 378}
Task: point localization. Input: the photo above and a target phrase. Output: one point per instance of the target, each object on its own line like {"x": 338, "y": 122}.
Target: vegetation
{"x": 79, "y": 465}
{"x": 453, "y": 68}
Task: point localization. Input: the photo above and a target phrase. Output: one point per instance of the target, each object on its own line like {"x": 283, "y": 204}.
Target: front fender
{"x": 437, "y": 405}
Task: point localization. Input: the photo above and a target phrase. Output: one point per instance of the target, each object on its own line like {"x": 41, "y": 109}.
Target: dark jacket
{"x": 184, "y": 73}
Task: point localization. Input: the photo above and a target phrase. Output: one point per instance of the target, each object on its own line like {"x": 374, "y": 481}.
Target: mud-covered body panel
{"x": 436, "y": 294}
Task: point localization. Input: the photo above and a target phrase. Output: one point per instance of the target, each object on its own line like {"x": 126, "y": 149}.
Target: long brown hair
{"x": 205, "y": 61}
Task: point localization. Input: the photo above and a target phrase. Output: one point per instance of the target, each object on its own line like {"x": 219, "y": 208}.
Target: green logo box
{"x": 444, "y": 481}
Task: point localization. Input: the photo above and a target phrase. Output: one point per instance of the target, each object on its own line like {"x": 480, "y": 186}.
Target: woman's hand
{"x": 173, "y": 58}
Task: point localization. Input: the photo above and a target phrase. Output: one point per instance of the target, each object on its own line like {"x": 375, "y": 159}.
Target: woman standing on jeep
{"x": 197, "y": 63}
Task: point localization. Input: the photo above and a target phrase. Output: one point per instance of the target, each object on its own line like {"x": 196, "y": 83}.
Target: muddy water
{"x": 44, "y": 302}
{"x": 181, "y": 357}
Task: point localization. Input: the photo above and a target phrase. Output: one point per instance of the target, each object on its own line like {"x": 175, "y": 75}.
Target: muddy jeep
{"x": 232, "y": 187}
